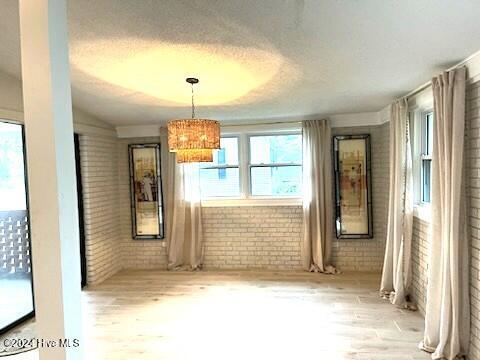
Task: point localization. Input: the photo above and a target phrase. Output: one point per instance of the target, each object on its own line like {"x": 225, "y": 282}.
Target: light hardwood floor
{"x": 244, "y": 315}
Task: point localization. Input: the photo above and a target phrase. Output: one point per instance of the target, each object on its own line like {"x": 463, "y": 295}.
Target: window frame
{"x": 418, "y": 129}
{"x": 250, "y": 165}
{"x": 424, "y": 156}
{"x": 243, "y": 134}
{"x": 226, "y": 166}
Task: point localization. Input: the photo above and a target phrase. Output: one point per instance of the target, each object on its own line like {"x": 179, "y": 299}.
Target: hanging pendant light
{"x": 193, "y": 139}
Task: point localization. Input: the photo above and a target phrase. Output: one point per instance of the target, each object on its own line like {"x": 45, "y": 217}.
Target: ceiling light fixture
{"x": 193, "y": 139}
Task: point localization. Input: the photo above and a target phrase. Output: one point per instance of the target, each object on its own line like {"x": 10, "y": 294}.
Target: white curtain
{"x": 184, "y": 216}
{"x": 317, "y": 197}
{"x": 396, "y": 275}
{"x": 447, "y": 320}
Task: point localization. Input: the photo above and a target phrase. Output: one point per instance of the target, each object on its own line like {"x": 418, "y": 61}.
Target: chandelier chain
{"x": 193, "y": 104}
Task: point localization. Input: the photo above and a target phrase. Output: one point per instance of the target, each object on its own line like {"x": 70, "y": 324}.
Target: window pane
{"x": 426, "y": 180}
{"x": 276, "y": 180}
{"x": 429, "y": 134}
{"x": 226, "y": 155}
{"x": 220, "y": 182}
{"x": 12, "y": 175}
{"x": 276, "y": 149}
{"x": 16, "y": 298}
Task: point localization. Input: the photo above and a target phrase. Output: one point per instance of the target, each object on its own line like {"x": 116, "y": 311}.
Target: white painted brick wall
{"x": 420, "y": 239}
{"x": 137, "y": 254}
{"x": 99, "y": 169}
{"x": 473, "y": 191}
{"x": 420, "y": 248}
{"x": 235, "y": 237}
{"x": 266, "y": 237}
{"x": 367, "y": 254}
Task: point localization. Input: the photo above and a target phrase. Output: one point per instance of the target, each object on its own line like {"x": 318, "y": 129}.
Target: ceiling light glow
{"x": 158, "y": 69}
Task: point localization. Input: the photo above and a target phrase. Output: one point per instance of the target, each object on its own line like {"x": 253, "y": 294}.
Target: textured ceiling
{"x": 256, "y": 60}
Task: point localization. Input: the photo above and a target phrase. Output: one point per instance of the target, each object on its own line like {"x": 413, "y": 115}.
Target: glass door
{"x": 16, "y": 295}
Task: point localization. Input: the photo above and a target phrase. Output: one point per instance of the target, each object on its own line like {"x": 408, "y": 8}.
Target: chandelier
{"x": 193, "y": 139}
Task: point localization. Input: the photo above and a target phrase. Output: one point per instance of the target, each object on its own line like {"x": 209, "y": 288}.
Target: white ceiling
{"x": 256, "y": 60}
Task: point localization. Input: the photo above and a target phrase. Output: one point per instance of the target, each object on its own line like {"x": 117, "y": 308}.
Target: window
{"x": 426, "y": 156}
{"x": 221, "y": 178}
{"x": 15, "y": 259}
{"x": 254, "y": 166}
{"x": 275, "y": 165}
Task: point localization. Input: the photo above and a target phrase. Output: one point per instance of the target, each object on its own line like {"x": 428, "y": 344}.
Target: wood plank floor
{"x": 148, "y": 315}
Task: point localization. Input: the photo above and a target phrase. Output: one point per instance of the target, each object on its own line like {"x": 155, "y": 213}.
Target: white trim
{"x": 243, "y": 160}
{"x": 17, "y": 117}
{"x": 261, "y": 128}
{"x": 249, "y": 165}
{"x": 472, "y": 63}
{"x": 415, "y": 141}
{"x": 280, "y": 125}
{"x": 252, "y": 202}
{"x": 93, "y": 130}
{"x": 423, "y": 212}
{"x": 244, "y": 165}
{"x": 13, "y": 115}
{"x": 417, "y": 114}
{"x": 356, "y": 119}
{"x": 134, "y": 131}
{"x": 473, "y": 67}
{"x": 384, "y": 115}
{"x": 422, "y": 100}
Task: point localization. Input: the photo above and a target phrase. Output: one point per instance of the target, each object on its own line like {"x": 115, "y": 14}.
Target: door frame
{"x": 81, "y": 215}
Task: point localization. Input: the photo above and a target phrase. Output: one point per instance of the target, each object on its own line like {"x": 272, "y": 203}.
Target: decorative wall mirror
{"x": 146, "y": 191}
{"x": 353, "y": 190}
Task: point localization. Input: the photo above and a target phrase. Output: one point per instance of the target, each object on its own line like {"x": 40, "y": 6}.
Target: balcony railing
{"x": 14, "y": 243}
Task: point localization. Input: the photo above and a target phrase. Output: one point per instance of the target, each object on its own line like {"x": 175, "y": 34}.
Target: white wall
{"x": 11, "y": 108}
{"x": 11, "y": 100}
{"x": 99, "y": 167}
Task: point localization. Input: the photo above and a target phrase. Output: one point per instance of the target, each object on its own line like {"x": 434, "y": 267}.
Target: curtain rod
{"x": 267, "y": 123}
{"x": 429, "y": 83}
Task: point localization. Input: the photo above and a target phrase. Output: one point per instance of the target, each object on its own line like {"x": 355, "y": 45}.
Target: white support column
{"x": 51, "y": 174}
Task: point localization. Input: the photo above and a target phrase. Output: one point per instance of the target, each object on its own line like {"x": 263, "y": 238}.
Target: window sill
{"x": 422, "y": 212}
{"x": 252, "y": 202}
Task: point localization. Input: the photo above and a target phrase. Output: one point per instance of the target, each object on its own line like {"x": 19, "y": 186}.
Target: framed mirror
{"x": 353, "y": 189}
{"x": 146, "y": 191}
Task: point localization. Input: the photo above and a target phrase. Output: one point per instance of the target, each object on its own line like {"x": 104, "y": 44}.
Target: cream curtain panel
{"x": 317, "y": 197}
{"x": 396, "y": 275}
{"x": 447, "y": 320}
{"x": 184, "y": 216}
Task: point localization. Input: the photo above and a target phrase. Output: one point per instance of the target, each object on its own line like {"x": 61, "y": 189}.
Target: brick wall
{"x": 99, "y": 167}
{"x": 137, "y": 254}
{"x": 261, "y": 237}
{"x": 419, "y": 262}
{"x": 266, "y": 237}
{"x": 473, "y": 191}
{"x": 270, "y": 237}
{"x": 367, "y": 254}
{"x": 233, "y": 236}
